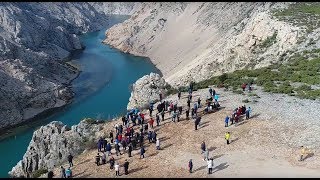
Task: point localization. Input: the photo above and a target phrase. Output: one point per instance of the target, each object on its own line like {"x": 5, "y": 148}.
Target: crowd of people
{"x": 130, "y": 135}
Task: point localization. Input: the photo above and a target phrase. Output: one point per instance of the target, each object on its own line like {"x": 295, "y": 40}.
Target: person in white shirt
{"x": 158, "y": 144}
{"x": 117, "y": 167}
{"x": 210, "y": 165}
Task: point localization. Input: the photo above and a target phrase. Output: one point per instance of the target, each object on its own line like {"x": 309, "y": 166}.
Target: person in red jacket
{"x": 244, "y": 85}
{"x": 151, "y": 121}
{"x": 142, "y": 116}
{"x": 120, "y": 137}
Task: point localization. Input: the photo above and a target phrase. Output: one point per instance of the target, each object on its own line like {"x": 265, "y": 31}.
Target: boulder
{"x": 146, "y": 90}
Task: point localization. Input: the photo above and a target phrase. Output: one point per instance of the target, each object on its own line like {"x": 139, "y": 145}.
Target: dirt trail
{"x": 256, "y": 150}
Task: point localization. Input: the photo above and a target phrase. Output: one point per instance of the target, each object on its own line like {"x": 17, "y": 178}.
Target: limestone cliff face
{"x": 146, "y": 90}
{"x": 51, "y": 144}
{"x": 34, "y": 39}
{"x": 195, "y": 41}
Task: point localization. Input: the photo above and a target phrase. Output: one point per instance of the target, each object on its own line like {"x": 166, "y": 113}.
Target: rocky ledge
{"x": 52, "y": 143}
{"x": 146, "y": 90}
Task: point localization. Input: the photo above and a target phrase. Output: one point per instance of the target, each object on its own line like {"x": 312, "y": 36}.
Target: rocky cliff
{"x": 35, "y": 38}
{"x": 146, "y": 90}
{"x": 51, "y": 144}
{"x": 195, "y": 41}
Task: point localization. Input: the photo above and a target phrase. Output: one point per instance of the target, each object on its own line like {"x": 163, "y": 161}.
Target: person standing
{"x": 227, "y": 137}
{"x": 188, "y": 103}
{"x": 158, "y": 119}
{"x": 216, "y": 97}
{"x": 203, "y": 147}
{"x": 50, "y": 175}
{"x": 302, "y": 153}
{"x": 126, "y": 167}
{"x": 210, "y": 165}
{"x": 105, "y": 143}
{"x": 151, "y": 121}
{"x": 179, "y": 94}
{"x": 63, "y": 172}
{"x": 117, "y": 169}
{"x": 98, "y": 159}
{"x": 199, "y": 102}
{"x": 248, "y": 111}
{"x": 123, "y": 120}
{"x": 197, "y": 122}
{"x": 162, "y": 114}
{"x": 190, "y": 166}
{"x": 150, "y": 109}
{"x": 111, "y": 161}
{"x": 142, "y": 151}
{"x": 70, "y": 157}
{"x": 158, "y": 144}
{"x": 100, "y": 142}
{"x": 226, "y": 121}
{"x": 108, "y": 149}
{"x": 187, "y": 113}
{"x": 68, "y": 173}
{"x": 210, "y": 91}
{"x": 117, "y": 147}
{"x": 111, "y": 136}
{"x": 232, "y": 119}
{"x": 149, "y": 136}
{"x": 206, "y": 155}
{"x": 154, "y": 136}
{"x": 130, "y": 150}
{"x": 104, "y": 158}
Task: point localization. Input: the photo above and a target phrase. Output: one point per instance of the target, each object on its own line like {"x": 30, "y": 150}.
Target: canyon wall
{"x": 35, "y": 39}
{"x": 197, "y": 40}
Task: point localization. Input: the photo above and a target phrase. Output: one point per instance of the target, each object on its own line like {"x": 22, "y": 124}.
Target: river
{"x": 101, "y": 91}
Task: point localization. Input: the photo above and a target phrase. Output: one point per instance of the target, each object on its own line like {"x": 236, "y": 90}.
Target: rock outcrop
{"x": 35, "y": 38}
{"x": 195, "y": 41}
{"x": 146, "y": 90}
{"x": 52, "y": 143}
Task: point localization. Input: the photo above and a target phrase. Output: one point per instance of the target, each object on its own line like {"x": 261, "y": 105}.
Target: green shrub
{"x": 90, "y": 121}
{"x": 304, "y": 88}
{"x": 39, "y": 172}
{"x": 89, "y": 144}
{"x": 269, "y": 41}
{"x": 285, "y": 88}
{"x": 245, "y": 101}
{"x": 238, "y": 91}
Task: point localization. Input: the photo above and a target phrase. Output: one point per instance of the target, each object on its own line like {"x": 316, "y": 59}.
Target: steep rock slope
{"x": 52, "y": 143}
{"x": 34, "y": 39}
{"x": 195, "y": 41}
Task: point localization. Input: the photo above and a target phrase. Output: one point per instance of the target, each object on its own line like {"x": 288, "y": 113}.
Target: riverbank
{"x": 266, "y": 145}
{"x": 44, "y": 112}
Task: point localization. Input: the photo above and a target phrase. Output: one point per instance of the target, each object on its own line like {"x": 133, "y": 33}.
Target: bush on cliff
{"x": 38, "y": 173}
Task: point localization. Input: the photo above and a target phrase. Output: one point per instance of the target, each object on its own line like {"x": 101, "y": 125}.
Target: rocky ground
{"x": 267, "y": 145}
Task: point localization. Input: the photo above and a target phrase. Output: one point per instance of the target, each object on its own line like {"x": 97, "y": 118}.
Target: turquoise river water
{"x": 102, "y": 91}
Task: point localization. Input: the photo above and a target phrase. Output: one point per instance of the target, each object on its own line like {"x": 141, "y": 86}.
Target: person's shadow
{"x": 220, "y": 167}
{"x": 309, "y": 155}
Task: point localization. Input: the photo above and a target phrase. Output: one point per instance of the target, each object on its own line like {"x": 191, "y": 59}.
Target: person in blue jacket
{"x": 226, "y": 121}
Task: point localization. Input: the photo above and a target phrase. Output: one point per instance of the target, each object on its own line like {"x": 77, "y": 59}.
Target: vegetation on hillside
{"x": 38, "y": 173}
{"x": 276, "y": 78}
{"x": 301, "y": 14}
